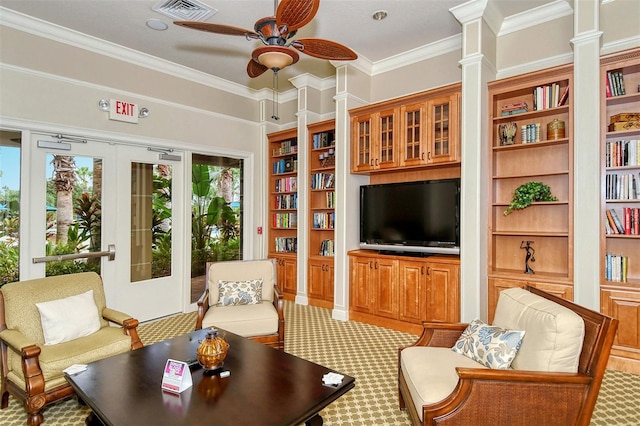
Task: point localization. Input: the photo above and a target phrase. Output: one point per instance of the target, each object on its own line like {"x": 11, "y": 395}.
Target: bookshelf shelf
{"x": 283, "y": 200}
{"x": 514, "y": 161}
{"x": 321, "y": 191}
{"x": 620, "y": 267}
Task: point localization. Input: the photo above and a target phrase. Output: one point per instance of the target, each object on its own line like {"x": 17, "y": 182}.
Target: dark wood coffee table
{"x": 266, "y": 387}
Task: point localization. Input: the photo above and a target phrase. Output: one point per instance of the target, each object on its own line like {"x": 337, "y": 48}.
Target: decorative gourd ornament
{"x": 212, "y": 351}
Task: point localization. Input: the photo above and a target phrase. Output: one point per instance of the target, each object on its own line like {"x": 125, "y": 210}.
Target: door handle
{"x": 110, "y": 253}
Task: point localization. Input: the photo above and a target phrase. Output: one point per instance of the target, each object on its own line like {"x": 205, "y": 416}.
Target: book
{"x": 564, "y": 97}
{"x": 617, "y": 221}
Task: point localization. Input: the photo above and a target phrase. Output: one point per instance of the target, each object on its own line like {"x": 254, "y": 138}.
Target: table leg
{"x": 314, "y": 421}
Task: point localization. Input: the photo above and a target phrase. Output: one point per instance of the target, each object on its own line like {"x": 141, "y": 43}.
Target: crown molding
{"x": 620, "y": 45}
{"x": 310, "y": 80}
{"x": 539, "y": 15}
{"x": 554, "y": 61}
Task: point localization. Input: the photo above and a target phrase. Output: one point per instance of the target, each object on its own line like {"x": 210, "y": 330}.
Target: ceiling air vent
{"x": 184, "y": 10}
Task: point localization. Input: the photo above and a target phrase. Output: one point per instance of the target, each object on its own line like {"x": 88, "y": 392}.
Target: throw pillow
{"x": 67, "y": 319}
{"x": 491, "y": 346}
{"x": 233, "y": 293}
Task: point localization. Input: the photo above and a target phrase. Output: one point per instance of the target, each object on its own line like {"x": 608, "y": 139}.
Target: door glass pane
{"x": 9, "y": 206}
{"x": 216, "y": 215}
{"x": 151, "y": 221}
{"x": 73, "y": 212}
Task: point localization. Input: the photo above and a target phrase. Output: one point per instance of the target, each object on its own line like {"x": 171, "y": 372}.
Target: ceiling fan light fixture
{"x": 379, "y": 15}
{"x": 274, "y": 57}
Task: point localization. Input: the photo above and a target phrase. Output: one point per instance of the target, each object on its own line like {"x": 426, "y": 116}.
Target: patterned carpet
{"x": 364, "y": 351}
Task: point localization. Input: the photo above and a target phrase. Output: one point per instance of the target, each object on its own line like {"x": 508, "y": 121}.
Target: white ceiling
{"x": 410, "y": 25}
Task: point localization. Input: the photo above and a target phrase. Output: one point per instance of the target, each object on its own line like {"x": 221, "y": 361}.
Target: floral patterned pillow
{"x": 491, "y": 346}
{"x": 233, "y": 293}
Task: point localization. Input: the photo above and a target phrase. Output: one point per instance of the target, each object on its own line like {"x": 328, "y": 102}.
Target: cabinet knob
{"x": 428, "y": 270}
{"x": 429, "y": 155}
{"x": 422, "y": 270}
{"x": 376, "y": 265}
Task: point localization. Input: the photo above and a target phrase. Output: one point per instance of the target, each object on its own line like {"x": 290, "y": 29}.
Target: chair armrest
{"x": 16, "y": 340}
{"x": 115, "y": 316}
{"x": 521, "y": 391}
{"x": 278, "y": 302}
{"x": 129, "y": 325}
{"x": 203, "y": 307}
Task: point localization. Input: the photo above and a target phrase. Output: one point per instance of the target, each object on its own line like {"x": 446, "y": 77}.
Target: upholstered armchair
{"x": 541, "y": 362}
{"x": 49, "y": 324}
{"x": 242, "y": 297}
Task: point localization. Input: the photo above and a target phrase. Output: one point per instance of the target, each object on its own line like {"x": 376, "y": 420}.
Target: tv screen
{"x": 419, "y": 216}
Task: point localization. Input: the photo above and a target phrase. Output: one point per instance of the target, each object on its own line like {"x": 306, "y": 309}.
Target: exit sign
{"x": 123, "y": 111}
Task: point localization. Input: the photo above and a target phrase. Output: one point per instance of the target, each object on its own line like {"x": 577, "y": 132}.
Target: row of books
{"x": 286, "y": 201}
{"x": 514, "y": 108}
{"x": 616, "y": 267}
{"x": 530, "y": 133}
{"x": 285, "y": 220}
{"x": 323, "y": 140}
{"x": 326, "y": 248}
{"x": 615, "y": 83}
{"x": 628, "y": 224}
{"x": 288, "y": 184}
{"x": 548, "y": 96}
{"x": 285, "y": 165}
{"x": 322, "y": 180}
{"x": 331, "y": 199}
{"x": 622, "y": 153}
{"x": 286, "y": 244}
{"x": 324, "y": 220}
{"x": 286, "y": 147}
{"x": 622, "y": 187}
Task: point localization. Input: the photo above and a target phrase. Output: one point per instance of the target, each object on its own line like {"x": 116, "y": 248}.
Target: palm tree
{"x": 64, "y": 179}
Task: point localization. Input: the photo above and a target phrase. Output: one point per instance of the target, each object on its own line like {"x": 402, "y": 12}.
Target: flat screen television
{"x": 414, "y": 217}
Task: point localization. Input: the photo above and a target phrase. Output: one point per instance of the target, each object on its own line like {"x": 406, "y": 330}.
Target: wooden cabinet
{"x": 414, "y": 131}
{"x": 322, "y": 196}
{"x": 620, "y": 189}
{"x": 401, "y": 292}
{"x": 321, "y": 281}
{"x": 374, "y": 144}
{"x": 283, "y": 206}
{"x": 524, "y": 148}
{"x": 287, "y": 273}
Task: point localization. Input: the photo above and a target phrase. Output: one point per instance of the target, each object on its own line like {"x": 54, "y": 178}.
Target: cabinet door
{"x": 412, "y": 291}
{"x": 361, "y": 284}
{"x": 385, "y": 139}
{"x": 414, "y": 139}
{"x": 287, "y": 273}
{"x": 363, "y": 155}
{"x": 328, "y": 282}
{"x": 624, "y": 305}
{"x": 443, "y": 129}
{"x": 443, "y": 299}
{"x": 386, "y": 288}
{"x": 316, "y": 277}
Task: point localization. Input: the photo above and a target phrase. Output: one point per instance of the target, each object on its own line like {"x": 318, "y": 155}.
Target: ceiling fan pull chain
{"x": 275, "y": 96}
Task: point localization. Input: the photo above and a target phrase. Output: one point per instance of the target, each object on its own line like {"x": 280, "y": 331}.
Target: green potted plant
{"x": 528, "y": 193}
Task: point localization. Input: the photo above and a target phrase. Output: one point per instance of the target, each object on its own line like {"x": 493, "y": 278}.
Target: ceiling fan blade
{"x": 216, "y": 28}
{"x": 255, "y": 69}
{"x": 296, "y": 13}
{"x": 324, "y": 49}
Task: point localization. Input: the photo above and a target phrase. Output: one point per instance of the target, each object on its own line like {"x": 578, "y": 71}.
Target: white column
{"x": 477, "y": 71}
{"x": 586, "y": 154}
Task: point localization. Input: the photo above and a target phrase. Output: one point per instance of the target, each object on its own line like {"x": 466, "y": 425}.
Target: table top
{"x": 266, "y": 386}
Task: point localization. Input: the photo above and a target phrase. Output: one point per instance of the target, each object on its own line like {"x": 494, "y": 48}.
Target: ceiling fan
{"x": 276, "y": 33}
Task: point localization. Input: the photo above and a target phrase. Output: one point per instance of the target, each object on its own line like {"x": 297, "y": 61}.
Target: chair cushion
{"x": 242, "y": 270}
{"x": 244, "y": 320}
{"x": 54, "y": 359}
{"x": 68, "y": 318}
{"x": 491, "y": 346}
{"x": 430, "y": 373}
{"x": 233, "y": 293}
{"x": 554, "y": 333}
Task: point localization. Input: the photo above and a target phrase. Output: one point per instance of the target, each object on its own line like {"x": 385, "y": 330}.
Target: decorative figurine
{"x": 530, "y": 256}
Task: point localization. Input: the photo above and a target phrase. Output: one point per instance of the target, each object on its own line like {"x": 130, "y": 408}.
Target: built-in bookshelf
{"x": 620, "y": 205}
{"x": 322, "y": 198}
{"x": 531, "y": 138}
{"x": 283, "y": 207}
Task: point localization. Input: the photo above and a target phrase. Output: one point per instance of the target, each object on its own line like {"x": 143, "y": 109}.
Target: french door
{"x": 111, "y": 207}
